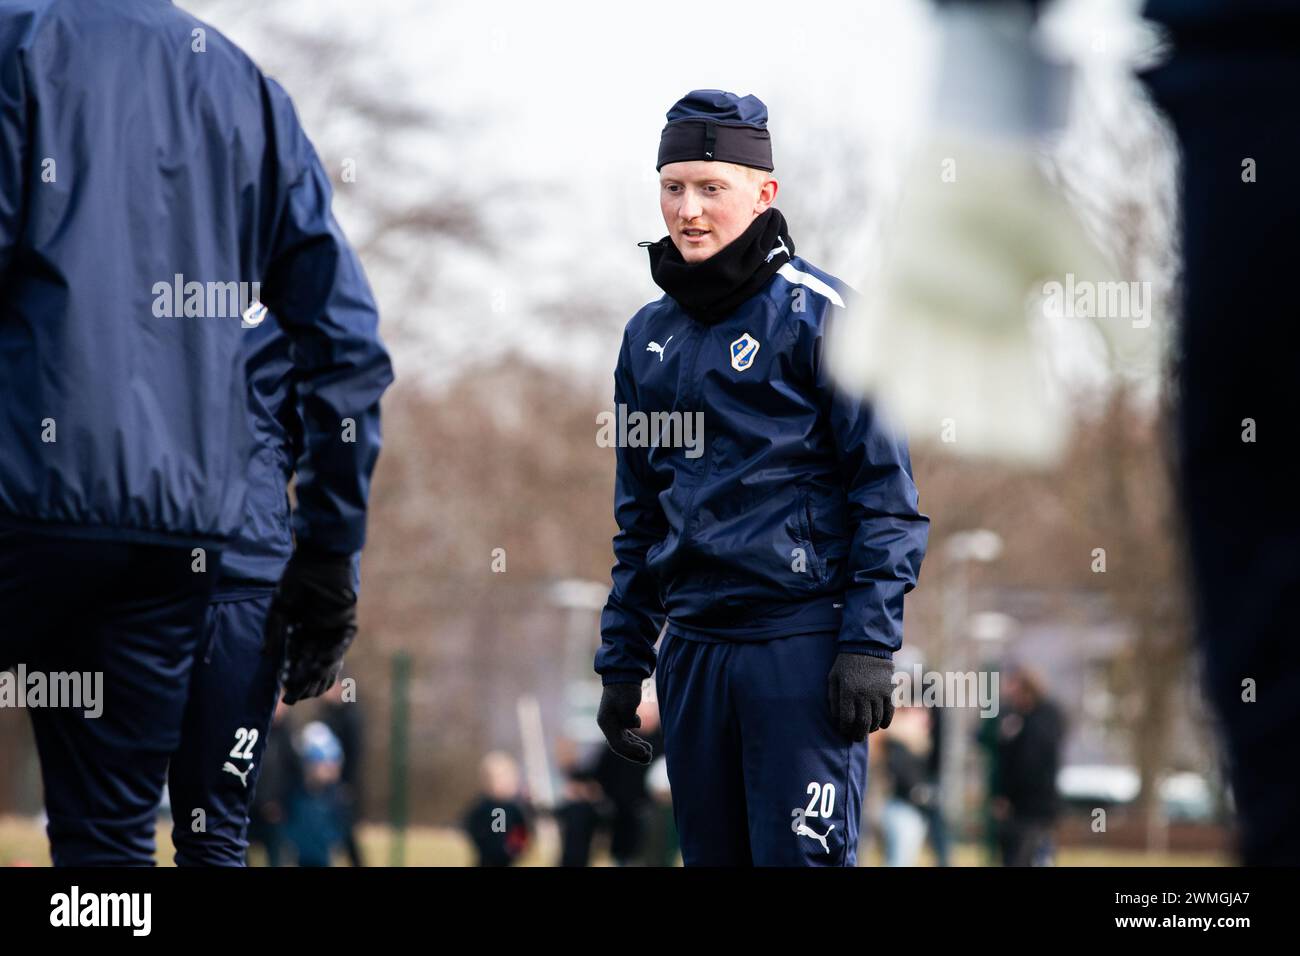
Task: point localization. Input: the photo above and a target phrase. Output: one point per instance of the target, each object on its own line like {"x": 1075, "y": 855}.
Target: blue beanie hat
{"x": 719, "y": 126}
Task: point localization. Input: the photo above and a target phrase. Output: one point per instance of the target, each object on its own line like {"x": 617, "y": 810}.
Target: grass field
{"x": 22, "y": 843}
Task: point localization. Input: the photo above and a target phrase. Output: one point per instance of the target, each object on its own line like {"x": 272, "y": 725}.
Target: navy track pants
{"x": 133, "y": 614}
{"x": 232, "y": 698}
{"x": 759, "y": 774}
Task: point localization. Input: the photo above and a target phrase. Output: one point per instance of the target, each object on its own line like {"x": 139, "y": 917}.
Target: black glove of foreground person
{"x": 617, "y": 716}
{"x": 861, "y": 689}
{"x": 315, "y": 612}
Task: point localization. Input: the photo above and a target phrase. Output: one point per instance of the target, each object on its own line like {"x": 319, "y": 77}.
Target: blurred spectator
{"x": 1030, "y": 733}
{"x": 936, "y": 830}
{"x": 628, "y": 798}
{"x": 345, "y": 719}
{"x": 316, "y": 822}
{"x": 903, "y": 820}
{"x": 608, "y": 791}
{"x": 280, "y": 778}
{"x": 577, "y": 814}
{"x": 908, "y": 662}
{"x": 497, "y": 822}
{"x": 661, "y": 848}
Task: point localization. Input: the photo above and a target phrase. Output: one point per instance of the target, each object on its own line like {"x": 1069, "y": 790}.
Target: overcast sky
{"x": 566, "y": 101}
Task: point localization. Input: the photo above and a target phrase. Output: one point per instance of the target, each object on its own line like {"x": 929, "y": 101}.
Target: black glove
{"x": 617, "y": 715}
{"x": 314, "y": 613}
{"x": 861, "y": 689}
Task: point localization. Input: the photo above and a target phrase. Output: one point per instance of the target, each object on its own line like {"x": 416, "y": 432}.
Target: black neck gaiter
{"x": 711, "y": 290}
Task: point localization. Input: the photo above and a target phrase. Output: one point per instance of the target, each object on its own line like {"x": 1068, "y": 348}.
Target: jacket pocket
{"x": 654, "y": 551}
{"x": 807, "y": 521}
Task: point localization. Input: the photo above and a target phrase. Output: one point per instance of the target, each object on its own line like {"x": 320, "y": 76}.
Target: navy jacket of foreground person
{"x": 798, "y": 515}
{"x": 261, "y": 548}
{"x": 123, "y": 406}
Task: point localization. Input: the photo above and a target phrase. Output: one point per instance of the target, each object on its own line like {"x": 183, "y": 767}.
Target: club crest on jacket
{"x": 743, "y": 351}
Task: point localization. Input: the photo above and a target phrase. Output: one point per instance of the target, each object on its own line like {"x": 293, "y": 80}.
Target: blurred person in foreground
{"x": 769, "y": 519}
{"x": 1229, "y": 90}
{"x": 1026, "y": 804}
{"x": 158, "y": 195}
{"x": 497, "y": 821}
{"x": 966, "y": 252}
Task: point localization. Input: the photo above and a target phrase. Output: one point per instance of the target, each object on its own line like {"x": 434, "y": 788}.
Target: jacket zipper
{"x": 696, "y": 405}
{"x": 806, "y": 500}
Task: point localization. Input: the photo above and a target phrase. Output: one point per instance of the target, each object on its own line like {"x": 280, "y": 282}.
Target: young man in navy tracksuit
{"x": 141, "y": 151}
{"x": 778, "y": 549}
{"x": 235, "y": 682}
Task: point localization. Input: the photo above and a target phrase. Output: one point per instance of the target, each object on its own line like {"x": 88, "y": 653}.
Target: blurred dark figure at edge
{"x": 1030, "y": 732}
{"x": 1229, "y": 89}
{"x": 1230, "y": 92}
{"x": 131, "y": 466}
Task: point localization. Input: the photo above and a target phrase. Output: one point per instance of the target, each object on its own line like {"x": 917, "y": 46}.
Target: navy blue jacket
{"x": 800, "y": 514}
{"x": 136, "y": 145}
{"x": 265, "y": 541}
